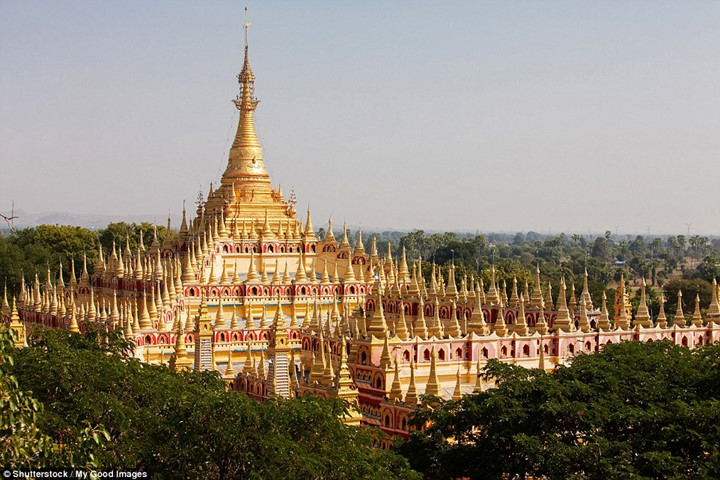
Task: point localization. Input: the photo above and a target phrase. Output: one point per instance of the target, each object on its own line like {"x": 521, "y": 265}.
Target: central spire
{"x": 245, "y": 192}
{"x": 246, "y": 157}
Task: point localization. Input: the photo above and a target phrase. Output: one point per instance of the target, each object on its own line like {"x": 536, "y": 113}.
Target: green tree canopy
{"x": 187, "y": 425}
{"x": 634, "y": 410}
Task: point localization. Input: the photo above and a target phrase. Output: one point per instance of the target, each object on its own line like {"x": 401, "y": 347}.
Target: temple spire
{"x": 245, "y": 164}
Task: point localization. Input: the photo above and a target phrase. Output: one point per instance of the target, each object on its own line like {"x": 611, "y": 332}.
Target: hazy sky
{"x": 495, "y": 115}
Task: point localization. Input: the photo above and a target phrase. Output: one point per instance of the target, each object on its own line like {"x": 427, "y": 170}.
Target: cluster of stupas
{"x": 248, "y": 290}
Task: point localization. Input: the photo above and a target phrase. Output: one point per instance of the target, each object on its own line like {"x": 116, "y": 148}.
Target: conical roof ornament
{"x": 309, "y": 232}
{"x": 420, "y": 329}
{"x": 457, "y": 393}
{"x": 500, "y": 325}
{"x": 411, "y": 396}
{"x": 697, "y": 319}
{"x": 584, "y": 323}
{"x": 395, "y": 395}
{"x": 300, "y": 274}
{"x": 378, "y": 326}
{"x": 478, "y": 378}
{"x": 549, "y": 300}
{"x": 585, "y": 295}
{"x": 662, "y": 318}
{"x": 252, "y": 275}
{"x": 679, "y": 319}
{"x": 401, "y": 330}
{"x": 325, "y": 278}
{"x": 220, "y": 315}
{"x": 436, "y": 328}
{"x": 713, "y": 313}
{"x": 245, "y": 162}
{"x": 514, "y": 297}
{"x": 573, "y": 300}
{"x": 604, "y": 319}
{"x": 541, "y": 325}
{"x": 359, "y": 247}
{"x": 563, "y": 321}
{"x": 537, "y": 295}
{"x": 345, "y": 243}
{"x": 433, "y": 384}
{"x": 521, "y": 326}
{"x": 329, "y": 236}
{"x": 642, "y": 318}
{"x": 229, "y": 371}
{"x": 454, "y": 329}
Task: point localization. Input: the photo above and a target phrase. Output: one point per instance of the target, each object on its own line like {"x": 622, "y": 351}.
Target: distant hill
{"x": 87, "y": 220}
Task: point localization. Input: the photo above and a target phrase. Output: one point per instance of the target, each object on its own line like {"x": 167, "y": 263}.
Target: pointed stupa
{"x": 6, "y": 312}
{"x": 395, "y": 395}
{"x": 329, "y": 236}
{"x": 679, "y": 319}
{"x": 573, "y": 305}
{"x": 436, "y": 327}
{"x": 309, "y": 232}
{"x": 585, "y": 295}
{"x": 521, "y": 326}
{"x": 563, "y": 321}
{"x": 549, "y": 299}
{"x": 220, "y": 315}
{"x": 378, "y": 326}
{"x": 514, "y": 300}
{"x": 454, "y": 329}
{"x": 492, "y": 297}
{"x": 478, "y": 378}
{"x": 500, "y": 325}
{"x": 477, "y": 323}
{"x": 73, "y": 327}
{"x": 301, "y": 273}
{"x": 420, "y": 329}
{"x": 404, "y": 273}
{"x": 603, "y": 323}
{"x": 252, "y": 275}
{"x": 697, "y": 319}
{"x": 359, "y": 247}
{"x": 662, "y": 317}
{"x": 642, "y": 318}
{"x": 457, "y": 392}
{"x": 584, "y": 322}
{"x": 411, "y": 396}
{"x": 713, "y": 313}
{"x": 433, "y": 386}
{"x": 249, "y": 360}
{"x": 401, "y": 330}
{"x": 623, "y": 321}
{"x": 229, "y": 370}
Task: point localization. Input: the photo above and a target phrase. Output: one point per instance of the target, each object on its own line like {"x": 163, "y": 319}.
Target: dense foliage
{"x": 22, "y": 443}
{"x": 185, "y": 425}
{"x": 43, "y": 248}
{"x": 632, "y": 411}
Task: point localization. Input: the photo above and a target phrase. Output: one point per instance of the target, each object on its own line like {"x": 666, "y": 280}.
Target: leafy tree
{"x": 633, "y": 410}
{"x": 709, "y": 269}
{"x": 187, "y": 425}
{"x": 37, "y": 249}
{"x": 22, "y": 443}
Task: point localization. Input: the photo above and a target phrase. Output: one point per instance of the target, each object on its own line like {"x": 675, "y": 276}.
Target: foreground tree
{"x": 22, "y": 443}
{"x": 632, "y": 411}
{"x": 187, "y": 425}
